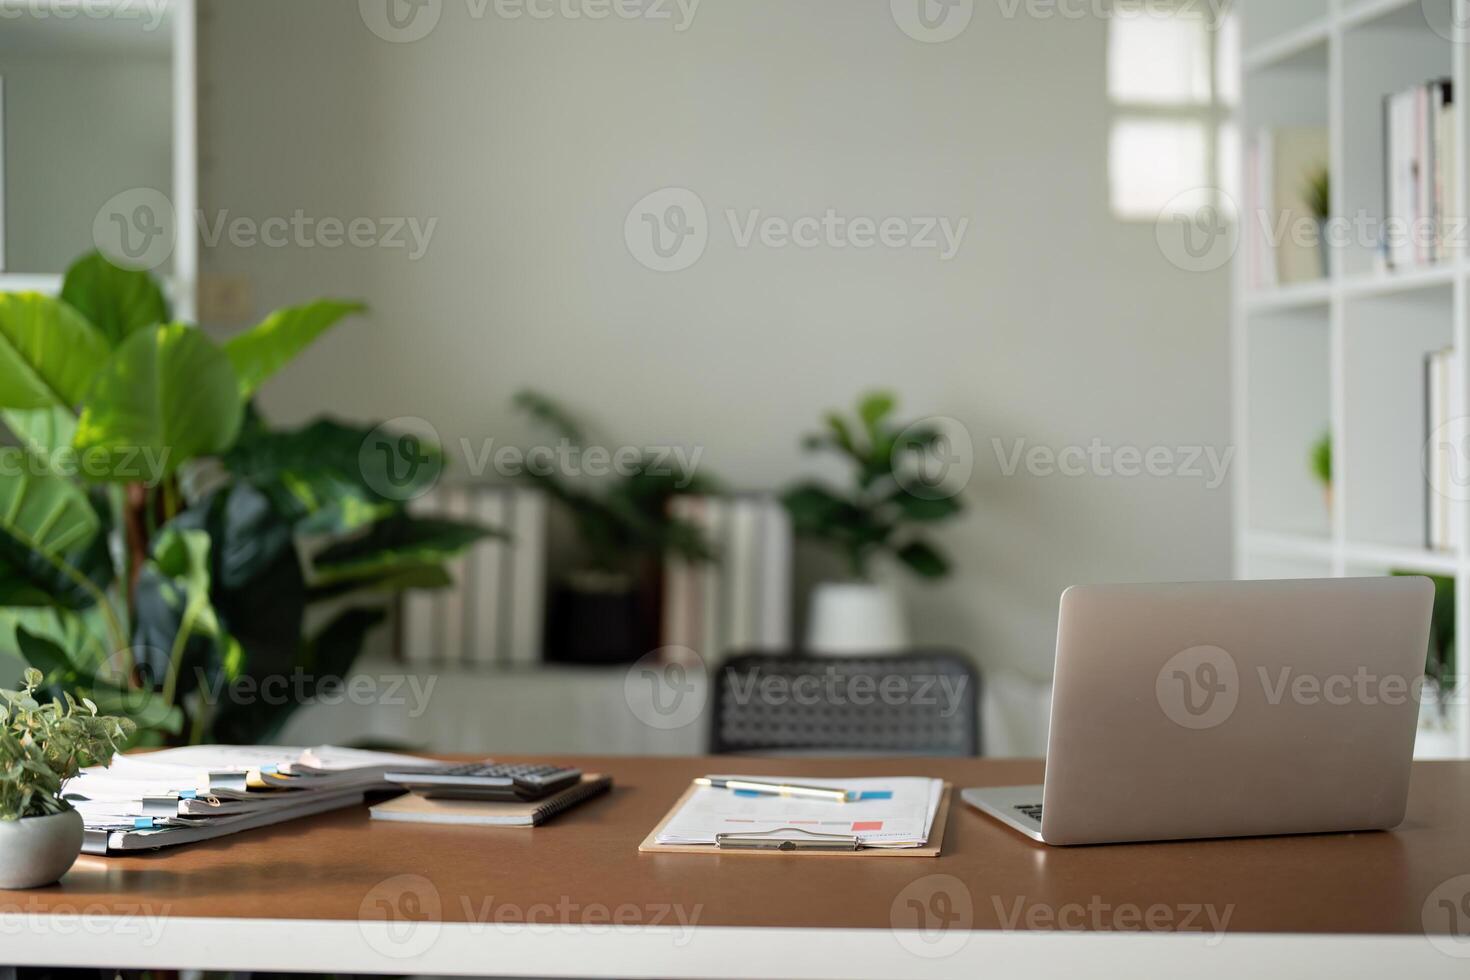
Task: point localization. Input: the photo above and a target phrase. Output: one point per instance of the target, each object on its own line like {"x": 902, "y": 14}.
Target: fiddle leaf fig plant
{"x": 160, "y": 543}
{"x": 878, "y": 514}
{"x": 45, "y": 743}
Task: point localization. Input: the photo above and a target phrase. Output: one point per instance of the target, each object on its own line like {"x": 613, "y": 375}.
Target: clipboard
{"x": 801, "y": 841}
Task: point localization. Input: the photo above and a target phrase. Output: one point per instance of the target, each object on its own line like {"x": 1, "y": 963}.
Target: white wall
{"x": 530, "y": 140}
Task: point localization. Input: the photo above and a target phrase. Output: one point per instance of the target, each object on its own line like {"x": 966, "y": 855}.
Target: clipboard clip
{"x": 787, "y": 839}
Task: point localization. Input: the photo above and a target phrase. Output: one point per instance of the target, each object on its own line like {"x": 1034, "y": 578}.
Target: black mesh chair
{"x": 919, "y": 703}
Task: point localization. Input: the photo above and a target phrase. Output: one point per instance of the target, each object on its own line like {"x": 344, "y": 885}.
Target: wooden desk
{"x": 342, "y": 893}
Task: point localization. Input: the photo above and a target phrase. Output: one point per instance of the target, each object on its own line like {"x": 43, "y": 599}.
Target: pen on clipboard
{"x": 776, "y": 789}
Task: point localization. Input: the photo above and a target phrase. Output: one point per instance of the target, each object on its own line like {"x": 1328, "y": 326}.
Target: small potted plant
{"x": 879, "y": 518}
{"x": 1322, "y": 467}
{"x": 42, "y": 745}
{"x": 606, "y": 609}
{"x": 1318, "y": 194}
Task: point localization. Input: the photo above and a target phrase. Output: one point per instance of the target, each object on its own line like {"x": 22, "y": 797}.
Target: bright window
{"x": 1172, "y": 78}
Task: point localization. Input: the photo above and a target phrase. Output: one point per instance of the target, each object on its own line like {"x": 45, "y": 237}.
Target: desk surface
{"x": 583, "y": 871}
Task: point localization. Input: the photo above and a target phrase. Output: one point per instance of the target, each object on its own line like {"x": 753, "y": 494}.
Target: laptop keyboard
{"x": 1032, "y": 810}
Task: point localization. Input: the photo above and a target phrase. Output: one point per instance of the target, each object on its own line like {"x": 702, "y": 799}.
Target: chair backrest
{"x": 917, "y": 703}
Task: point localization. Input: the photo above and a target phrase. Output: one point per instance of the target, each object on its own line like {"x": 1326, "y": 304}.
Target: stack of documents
{"x": 884, "y": 812}
{"x": 179, "y": 796}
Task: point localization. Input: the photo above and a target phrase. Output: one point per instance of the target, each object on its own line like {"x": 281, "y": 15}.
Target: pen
{"x": 775, "y": 789}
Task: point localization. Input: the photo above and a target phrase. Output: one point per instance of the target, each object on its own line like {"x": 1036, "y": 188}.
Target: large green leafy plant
{"x": 881, "y": 513}
{"x": 624, "y": 522}
{"x": 43, "y": 744}
{"x": 160, "y": 545}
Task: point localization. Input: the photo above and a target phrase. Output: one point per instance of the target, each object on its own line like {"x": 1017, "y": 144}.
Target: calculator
{"x": 506, "y": 781}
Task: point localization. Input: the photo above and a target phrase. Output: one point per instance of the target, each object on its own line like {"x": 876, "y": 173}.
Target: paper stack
{"x": 200, "y": 792}
{"x": 883, "y": 812}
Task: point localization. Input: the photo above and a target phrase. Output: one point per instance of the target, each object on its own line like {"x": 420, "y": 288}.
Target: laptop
{"x": 1227, "y": 709}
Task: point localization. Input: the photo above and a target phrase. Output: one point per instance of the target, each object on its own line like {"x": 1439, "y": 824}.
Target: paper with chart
{"x": 888, "y": 811}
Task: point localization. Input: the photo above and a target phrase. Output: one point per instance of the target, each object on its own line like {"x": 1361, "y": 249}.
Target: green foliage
{"x": 878, "y": 515}
{"x": 319, "y": 477}
{"x": 110, "y": 405}
{"x": 43, "y": 744}
{"x": 622, "y": 522}
{"x": 166, "y": 396}
{"x": 1440, "y": 662}
{"x": 117, "y": 301}
{"x": 1318, "y": 193}
{"x": 1322, "y": 459}
{"x": 257, "y": 354}
{"x": 48, "y": 352}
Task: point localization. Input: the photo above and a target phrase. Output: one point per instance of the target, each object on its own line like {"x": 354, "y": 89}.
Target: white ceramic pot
{"x": 856, "y": 618}
{"x": 35, "y": 851}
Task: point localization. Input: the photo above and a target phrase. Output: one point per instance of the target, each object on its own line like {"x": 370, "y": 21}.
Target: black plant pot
{"x": 601, "y": 626}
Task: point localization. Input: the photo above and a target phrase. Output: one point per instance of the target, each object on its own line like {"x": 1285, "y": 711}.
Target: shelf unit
{"x": 1345, "y": 354}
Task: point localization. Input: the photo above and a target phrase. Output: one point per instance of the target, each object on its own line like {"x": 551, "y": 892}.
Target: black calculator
{"x": 506, "y": 781}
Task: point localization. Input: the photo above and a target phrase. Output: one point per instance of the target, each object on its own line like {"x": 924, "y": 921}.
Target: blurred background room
{"x": 627, "y": 337}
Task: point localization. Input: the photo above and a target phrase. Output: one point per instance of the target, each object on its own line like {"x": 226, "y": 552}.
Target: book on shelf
{"x": 494, "y": 611}
{"x": 1420, "y": 154}
{"x": 741, "y": 600}
{"x": 1283, "y": 233}
{"x": 1442, "y": 374}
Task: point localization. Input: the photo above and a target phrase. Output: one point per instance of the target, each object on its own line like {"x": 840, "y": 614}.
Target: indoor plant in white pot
{"x": 881, "y": 517}
{"x": 42, "y": 745}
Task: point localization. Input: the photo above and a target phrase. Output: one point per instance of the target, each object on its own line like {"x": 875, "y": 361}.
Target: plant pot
{"x": 35, "y": 851}
{"x": 598, "y": 620}
{"x": 856, "y": 618}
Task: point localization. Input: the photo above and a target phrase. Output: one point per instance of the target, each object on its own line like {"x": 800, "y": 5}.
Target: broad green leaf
{"x": 265, "y": 348}
{"x": 873, "y": 409}
{"x": 176, "y": 628}
{"x": 146, "y": 709}
{"x": 395, "y": 545}
{"x": 815, "y": 509}
{"x": 183, "y": 555}
{"x": 923, "y": 509}
{"x": 257, "y": 586}
{"x": 331, "y": 652}
{"x": 842, "y": 435}
{"x": 168, "y": 394}
{"x": 118, "y": 302}
{"x": 45, "y": 655}
{"x": 550, "y": 414}
{"x": 322, "y": 478}
{"x": 49, "y": 353}
{"x": 46, "y": 432}
{"x": 328, "y": 654}
{"x": 43, "y": 519}
{"x": 397, "y": 580}
{"x": 924, "y": 559}
{"x": 46, "y": 513}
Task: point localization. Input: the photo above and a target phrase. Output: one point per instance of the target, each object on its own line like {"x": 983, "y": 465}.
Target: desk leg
{"x": 7, "y": 973}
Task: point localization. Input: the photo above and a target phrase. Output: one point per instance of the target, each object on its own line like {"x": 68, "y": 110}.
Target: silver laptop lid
{"x": 1234, "y": 708}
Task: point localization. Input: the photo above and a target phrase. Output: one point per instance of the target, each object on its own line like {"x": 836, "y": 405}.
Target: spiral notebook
{"x": 487, "y": 813}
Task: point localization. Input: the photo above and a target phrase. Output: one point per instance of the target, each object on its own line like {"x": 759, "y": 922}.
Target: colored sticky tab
{"x": 142, "y": 823}
{"x": 872, "y": 794}
{"x": 269, "y": 769}
{"x": 748, "y": 792}
{"x": 188, "y": 794}
{"x": 867, "y": 825}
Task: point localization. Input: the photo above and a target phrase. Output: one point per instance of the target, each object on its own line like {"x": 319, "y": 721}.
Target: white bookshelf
{"x": 1345, "y": 353}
